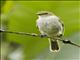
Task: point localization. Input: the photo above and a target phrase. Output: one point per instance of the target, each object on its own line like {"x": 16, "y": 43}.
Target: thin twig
{"x": 65, "y": 41}
{"x": 21, "y": 33}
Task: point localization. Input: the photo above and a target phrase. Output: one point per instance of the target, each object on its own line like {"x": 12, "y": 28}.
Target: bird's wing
{"x": 62, "y": 25}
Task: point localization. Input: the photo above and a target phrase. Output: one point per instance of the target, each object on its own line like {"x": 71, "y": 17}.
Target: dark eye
{"x": 45, "y": 13}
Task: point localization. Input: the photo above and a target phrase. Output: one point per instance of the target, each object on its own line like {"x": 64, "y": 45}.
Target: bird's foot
{"x": 60, "y": 35}
{"x": 42, "y": 35}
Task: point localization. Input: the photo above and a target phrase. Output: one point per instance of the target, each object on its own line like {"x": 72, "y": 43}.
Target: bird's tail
{"x": 54, "y": 47}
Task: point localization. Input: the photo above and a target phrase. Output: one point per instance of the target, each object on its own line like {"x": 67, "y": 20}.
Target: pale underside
{"x": 50, "y": 25}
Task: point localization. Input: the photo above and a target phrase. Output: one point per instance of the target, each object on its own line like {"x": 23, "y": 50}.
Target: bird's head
{"x": 44, "y": 13}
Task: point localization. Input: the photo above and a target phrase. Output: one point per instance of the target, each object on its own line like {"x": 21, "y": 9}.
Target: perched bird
{"x": 50, "y": 25}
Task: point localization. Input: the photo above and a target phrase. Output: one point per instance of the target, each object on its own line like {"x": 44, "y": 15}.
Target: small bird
{"x": 50, "y": 25}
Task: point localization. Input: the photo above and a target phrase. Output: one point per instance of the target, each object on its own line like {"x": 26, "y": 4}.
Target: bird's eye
{"x": 45, "y": 13}
{"x": 42, "y": 14}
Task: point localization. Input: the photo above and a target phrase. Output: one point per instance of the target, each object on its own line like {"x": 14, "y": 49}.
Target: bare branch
{"x": 65, "y": 41}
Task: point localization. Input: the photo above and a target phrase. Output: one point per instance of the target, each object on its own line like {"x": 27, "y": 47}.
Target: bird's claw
{"x": 42, "y": 35}
{"x": 60, "y": 35}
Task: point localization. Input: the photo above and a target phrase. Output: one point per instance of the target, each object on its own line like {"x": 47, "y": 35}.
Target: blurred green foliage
{"x": 21, "y": 17}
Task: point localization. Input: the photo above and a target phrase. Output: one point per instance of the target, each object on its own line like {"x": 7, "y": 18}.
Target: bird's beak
{"x": 37, "y": 14}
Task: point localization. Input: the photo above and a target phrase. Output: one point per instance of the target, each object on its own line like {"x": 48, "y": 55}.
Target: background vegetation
{"x": 21, "y": 17}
